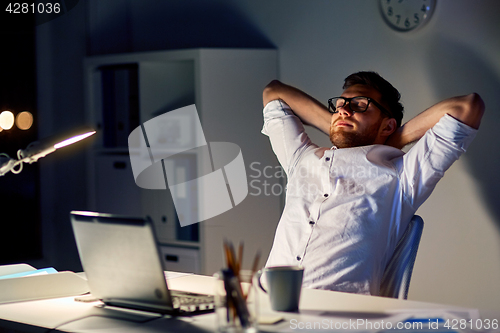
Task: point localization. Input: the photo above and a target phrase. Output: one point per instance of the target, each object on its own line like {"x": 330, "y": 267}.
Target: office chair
{"x": 396, "y": 279}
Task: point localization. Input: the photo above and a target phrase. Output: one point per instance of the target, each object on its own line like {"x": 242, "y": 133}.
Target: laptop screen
{"x": 120, "y": 258}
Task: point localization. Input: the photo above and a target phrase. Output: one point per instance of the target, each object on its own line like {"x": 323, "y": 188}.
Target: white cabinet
{"x": 180, "y": 259}
{"x": 126, "y": 90}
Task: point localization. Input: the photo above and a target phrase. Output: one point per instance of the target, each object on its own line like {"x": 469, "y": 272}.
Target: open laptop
{"x": 123, "y": 266}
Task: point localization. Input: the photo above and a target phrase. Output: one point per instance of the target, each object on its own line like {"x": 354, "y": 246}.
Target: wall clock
{"x": 407, "y": 15}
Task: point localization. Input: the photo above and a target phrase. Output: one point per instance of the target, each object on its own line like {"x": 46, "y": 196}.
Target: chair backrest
{"x": 396, "y": 279}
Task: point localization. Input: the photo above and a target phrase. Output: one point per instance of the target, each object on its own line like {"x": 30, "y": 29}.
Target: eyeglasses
{"x": 356, "y": 104}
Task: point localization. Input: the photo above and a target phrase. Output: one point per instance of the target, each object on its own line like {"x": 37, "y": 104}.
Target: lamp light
{"x": 39, "y": 149}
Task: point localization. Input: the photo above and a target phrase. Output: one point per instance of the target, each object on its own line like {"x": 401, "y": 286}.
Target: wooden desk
{"x": 67, "y": 315}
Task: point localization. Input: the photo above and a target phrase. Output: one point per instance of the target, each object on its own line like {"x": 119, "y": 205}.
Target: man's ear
{"x": 387, "y": 127}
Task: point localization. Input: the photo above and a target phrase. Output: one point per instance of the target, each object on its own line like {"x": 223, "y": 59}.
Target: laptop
{"x": 122, "y": 262}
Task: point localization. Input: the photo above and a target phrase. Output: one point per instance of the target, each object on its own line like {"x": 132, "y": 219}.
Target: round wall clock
{"x": 406, "y": 15}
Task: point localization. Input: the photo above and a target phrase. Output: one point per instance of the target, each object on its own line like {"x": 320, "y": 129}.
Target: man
{"x": 348, "y": 205}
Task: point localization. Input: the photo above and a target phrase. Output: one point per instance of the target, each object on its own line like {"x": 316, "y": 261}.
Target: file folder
{"x": 32, "y": 287}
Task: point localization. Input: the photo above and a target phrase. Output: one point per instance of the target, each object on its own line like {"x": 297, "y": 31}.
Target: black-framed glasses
{"x": 356, "y": 104}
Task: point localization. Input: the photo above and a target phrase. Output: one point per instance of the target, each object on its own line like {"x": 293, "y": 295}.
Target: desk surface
{"x": 66, "y": 314}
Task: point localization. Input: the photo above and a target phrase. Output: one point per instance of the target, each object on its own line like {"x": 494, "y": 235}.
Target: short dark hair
{"x": 390, "y": 95}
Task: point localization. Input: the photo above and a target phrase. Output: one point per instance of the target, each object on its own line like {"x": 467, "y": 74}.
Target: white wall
{"x": 320, "y": 42}
{"x": 458, "y": 52}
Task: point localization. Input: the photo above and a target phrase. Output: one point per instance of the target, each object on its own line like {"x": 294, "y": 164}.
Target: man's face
{"x": 349, "y": 129}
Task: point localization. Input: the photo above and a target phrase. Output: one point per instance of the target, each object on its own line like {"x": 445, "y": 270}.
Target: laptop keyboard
{"x": 189, "y": 302}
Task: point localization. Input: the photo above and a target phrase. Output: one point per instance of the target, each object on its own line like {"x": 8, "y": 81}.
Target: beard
{"x": 347, "y": 139}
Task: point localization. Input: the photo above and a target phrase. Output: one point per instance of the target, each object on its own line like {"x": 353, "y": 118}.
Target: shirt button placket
{"x": 326, "y": 180}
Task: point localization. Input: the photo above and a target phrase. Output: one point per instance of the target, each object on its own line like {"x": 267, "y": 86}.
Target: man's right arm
{"x": 309, "y": 110}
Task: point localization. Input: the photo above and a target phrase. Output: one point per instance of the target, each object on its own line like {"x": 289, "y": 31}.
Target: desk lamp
{"x": 39, "y": 149}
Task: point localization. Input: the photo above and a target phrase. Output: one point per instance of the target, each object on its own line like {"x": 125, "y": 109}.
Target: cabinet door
{"x": 180, "y": 259}
{"x": 158, "y": 205}
{"x": 116, "y": 191}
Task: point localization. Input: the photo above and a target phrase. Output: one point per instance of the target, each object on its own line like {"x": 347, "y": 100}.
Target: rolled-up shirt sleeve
{"x": 286, "y": 133}
{"x": 424, "y": 165}
{"x": 454, "y": 131}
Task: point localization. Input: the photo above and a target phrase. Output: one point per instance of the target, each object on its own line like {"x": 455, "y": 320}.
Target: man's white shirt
{"x": 346, "y": 209}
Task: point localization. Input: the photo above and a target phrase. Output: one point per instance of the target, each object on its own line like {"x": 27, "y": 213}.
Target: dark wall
{"x": 20, "y": 230}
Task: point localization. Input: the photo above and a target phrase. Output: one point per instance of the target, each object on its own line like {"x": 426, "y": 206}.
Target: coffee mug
{"x": 284, "y": 284}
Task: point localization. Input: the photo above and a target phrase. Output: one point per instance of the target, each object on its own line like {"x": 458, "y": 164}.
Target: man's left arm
{"x": 467, "y": 109}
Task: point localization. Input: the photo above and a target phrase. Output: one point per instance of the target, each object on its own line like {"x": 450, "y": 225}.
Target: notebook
{"x": 122, "y": 262}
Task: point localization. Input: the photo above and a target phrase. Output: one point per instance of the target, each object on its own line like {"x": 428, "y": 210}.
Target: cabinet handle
{"x": 164, "y": 219}
{"x": 171, "y": 257}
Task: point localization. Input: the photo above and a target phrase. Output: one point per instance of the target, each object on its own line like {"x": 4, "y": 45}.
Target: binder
{"x": 120, "y": 103}
{"x": 32, "y": 287}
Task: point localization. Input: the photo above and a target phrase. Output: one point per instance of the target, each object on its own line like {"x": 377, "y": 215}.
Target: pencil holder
{"x": 236, "y": 306}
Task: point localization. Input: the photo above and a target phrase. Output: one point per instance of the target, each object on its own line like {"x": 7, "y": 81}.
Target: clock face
{"x": 406, "y": 15}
